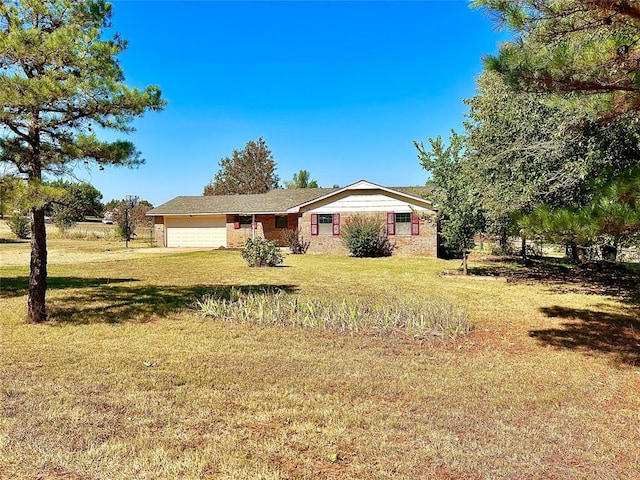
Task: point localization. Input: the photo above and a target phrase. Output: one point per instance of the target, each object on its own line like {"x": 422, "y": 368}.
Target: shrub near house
{"x": 259, "y": 252}
{"x": 365, "y": 236}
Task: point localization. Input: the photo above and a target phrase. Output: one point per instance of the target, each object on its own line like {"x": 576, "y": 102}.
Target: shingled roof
{"x": 274, "y": 201}
{"x": 420, "y": 192}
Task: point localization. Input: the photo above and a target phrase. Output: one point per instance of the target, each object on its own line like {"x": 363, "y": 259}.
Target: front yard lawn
{"x": 128, "y": 381}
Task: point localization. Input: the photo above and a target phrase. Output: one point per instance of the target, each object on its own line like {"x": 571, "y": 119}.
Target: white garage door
{"x": 210, "y": 231}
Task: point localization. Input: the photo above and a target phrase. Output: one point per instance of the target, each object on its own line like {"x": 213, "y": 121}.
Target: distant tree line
{"x": 67, "y": 203}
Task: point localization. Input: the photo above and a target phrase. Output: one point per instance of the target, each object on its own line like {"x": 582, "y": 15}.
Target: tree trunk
{"x": 578, "y": 254}
{"x": 504, "y": 243}
{"x": 525, "y": 260}
{"x": 36, "y": 306}
{"x": 574, "y": 251}
{"x": 36, "y": 303}
{"x": 610, "y": 252}
{"x": 465, "y": 269}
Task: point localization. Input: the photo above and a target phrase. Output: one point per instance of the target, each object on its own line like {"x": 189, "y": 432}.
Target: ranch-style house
{"x": 319, "y": 214}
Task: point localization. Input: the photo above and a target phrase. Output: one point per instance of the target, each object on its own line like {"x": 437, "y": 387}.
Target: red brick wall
{"x": 158, "y": 231}
{"x": 425, "y": 244}
{"x": 265, "y": 228}
{"x": 322, "y": 243}
{"x": 236, "y": 237}
{"x": 269, "y": 230}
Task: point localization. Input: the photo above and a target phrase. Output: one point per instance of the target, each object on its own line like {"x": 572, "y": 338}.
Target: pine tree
{"x": 585, "y": 47}
{"x": 59, "y": 78}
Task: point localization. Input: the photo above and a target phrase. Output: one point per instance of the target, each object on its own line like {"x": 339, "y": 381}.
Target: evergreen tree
{"x": 585, "y": 47}
{"x": 611, "y": 219}
{"x": 59, "y": 77}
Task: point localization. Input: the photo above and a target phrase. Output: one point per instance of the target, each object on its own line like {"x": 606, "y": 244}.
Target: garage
{"x": 208, "y": 231}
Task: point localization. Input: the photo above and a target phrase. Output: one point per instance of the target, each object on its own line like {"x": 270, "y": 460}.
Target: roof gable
{"x": 364, "y": 185}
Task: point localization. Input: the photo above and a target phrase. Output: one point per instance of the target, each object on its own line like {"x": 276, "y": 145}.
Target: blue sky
{"x": 340, "y": 89}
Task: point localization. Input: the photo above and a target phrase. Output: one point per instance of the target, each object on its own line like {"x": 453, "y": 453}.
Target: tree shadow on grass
{"x": 615, "y": 334}
{"x": 117, "y": 303}
{"x": 612, "y": 279}
{"x": 12, "y": 240}
{"x": 18, "y": 286}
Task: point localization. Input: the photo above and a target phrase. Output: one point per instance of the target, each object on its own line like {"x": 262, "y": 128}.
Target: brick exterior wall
{"x": 158, "y": 231}
{"x": 265, "y": 228}
{"x": 322, "y": 243}
{"x": 425, "y": 244}
{"x": 236, "y": 237}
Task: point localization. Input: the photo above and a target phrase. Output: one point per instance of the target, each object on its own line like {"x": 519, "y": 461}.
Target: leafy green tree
{"x": 517, "y": 152}
{"x": 522, "y": 149}
{"x": 585, "y": 47}
{"x": 460, "y": 215}
{"x": 302, "y": 179}
{"x": 59, "y": 78}
{"x": 77, "y": 201}
{"x": 534, "y": 134}
{"x": 250, "y": 170}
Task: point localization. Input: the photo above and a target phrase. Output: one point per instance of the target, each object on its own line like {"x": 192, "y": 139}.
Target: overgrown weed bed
{"x": 414, "y": 318}
{"x": 128, "y": 381}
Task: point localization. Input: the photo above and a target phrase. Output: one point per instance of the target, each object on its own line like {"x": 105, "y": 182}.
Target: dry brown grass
{"x": 127, "y": 382}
